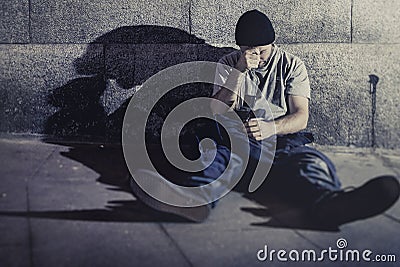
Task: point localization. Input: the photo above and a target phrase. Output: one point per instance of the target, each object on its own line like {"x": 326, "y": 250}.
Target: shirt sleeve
{"x": 221, "y": 75}
{"x": 298, "y": 82}
{"x": 224, "y": 68}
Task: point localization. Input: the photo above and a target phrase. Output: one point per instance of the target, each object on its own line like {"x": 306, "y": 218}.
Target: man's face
{"x": 263, "y": 51}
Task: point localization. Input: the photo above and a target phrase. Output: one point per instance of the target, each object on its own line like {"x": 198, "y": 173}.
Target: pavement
{"x": 66, "y": 204}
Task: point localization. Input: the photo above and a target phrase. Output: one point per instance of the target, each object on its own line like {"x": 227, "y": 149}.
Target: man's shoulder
{"x": 288, "y": 57}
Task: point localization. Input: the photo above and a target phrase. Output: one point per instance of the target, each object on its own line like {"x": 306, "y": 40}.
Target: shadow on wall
{"x": 115, "y": 64}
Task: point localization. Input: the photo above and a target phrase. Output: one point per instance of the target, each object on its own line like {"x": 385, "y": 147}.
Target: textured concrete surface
{"x": 60, "y": 60}
{"x": 294, "y": 21}
{"x": 26, "y": 160}
{"x": 14, "y": 21}
{"x": 385, "y": 61}
{"x": 83, "y": 21}
{"x": 331, "y": 76}
{"x": 341, "y": 92}
{"x": 70, "y": 205}
{"x": 34, "y": 82}
{"x": 376, "y": 21}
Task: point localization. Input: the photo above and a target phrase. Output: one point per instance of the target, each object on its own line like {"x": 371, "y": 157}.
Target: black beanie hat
{"x": 254, "y": 29}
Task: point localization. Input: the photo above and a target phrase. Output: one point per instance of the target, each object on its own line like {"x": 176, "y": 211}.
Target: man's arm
{"x": 234, "y": 82}
{"x": 249, "y": 59}
{"x": 297, "y": 118}
{"x": 294, "y": 122}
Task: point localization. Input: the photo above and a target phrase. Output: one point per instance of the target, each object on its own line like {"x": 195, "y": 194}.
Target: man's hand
{"x": 260, "y": 129}
{"x": 249, "y": 59}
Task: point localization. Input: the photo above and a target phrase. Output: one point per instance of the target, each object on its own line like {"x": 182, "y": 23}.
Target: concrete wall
{"x": 68, "y": 66}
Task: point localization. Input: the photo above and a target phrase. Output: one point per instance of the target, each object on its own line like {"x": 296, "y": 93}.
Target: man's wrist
{"x": 272, "y": 124}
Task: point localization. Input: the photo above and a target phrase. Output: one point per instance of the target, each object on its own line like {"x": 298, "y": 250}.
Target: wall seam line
{"x": 29, "y": 21}
{"x": 351, "y": 20}
{"x": 175, "y": 244}
{"x": 190, "y": 16}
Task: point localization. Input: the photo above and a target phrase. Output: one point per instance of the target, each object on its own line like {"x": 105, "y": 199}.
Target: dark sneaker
{"x": 195, "y": 214}
{"x": 373, "y": 198}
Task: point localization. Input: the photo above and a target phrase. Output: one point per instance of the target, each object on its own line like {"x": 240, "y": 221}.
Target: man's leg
{"x": 303, "y": 175}
{"x": 178, "y": 177}
{"x": 307, "y": 176}
{"x": 209, "y": 174}
{"x": 190, "y": 149}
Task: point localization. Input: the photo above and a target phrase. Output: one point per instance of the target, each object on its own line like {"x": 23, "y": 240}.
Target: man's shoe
{"x": 370, "y": 199}
{"x": 195, "y": 214}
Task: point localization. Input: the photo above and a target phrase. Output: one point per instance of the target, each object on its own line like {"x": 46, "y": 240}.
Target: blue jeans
{"x": 298, "y": 173}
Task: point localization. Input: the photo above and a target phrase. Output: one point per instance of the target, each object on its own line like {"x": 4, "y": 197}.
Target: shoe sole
{"x": 195, "y": 214}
